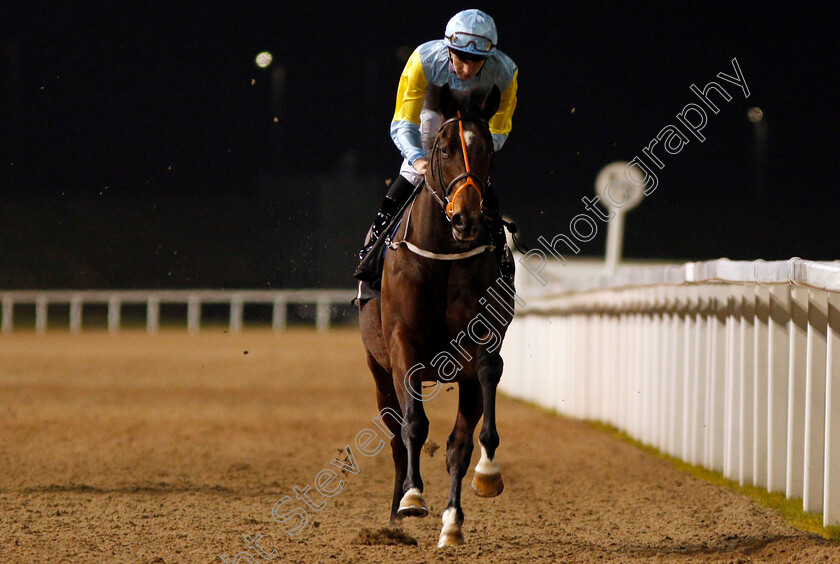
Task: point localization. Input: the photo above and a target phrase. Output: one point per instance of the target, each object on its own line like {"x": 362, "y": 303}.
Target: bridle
{"x": 436, "y": 169}
{"x": 447, "y": 205}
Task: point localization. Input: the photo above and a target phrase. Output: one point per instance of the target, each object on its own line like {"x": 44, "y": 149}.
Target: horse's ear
{"x": 490, "y": 105}
{"x": 446, "y": 102}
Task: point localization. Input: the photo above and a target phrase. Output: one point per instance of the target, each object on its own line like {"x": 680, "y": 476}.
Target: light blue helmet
{"x": 472, "y": 31}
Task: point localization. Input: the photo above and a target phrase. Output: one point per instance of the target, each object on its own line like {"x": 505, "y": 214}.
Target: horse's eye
{"x": 444, "y": 154}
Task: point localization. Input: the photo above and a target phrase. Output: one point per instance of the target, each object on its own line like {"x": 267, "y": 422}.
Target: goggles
{"x": 462, "y": 40}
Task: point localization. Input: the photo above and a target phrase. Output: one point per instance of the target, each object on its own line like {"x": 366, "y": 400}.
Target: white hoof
{"x": 487, "y": 481}
{"x": 450, "y": 534}
{"x": 412, "y": 504}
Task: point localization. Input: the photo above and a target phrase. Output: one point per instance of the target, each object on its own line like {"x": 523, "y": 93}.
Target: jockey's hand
{"x": 421, "y": 165}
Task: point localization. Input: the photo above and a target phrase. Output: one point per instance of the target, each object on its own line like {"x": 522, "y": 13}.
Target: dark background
{"x": 140, "y": 148}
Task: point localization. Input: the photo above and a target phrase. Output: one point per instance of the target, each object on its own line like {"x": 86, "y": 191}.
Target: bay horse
{"x": 428, "y": 325}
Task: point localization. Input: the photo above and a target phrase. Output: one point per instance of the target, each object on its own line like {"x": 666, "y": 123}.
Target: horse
{"x": 428, "y": 325}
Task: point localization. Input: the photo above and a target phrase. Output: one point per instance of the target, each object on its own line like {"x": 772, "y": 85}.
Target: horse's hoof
{"x": 450, "y": 539}
{"x": 450, "y": 534}
{"x": 487, "y": 485}
{"x": 487, "y": 480}
{"x": 412, "y": 504}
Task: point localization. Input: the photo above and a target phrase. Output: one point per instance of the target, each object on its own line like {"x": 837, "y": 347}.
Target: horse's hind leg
{"x": 487, "y": 480}
{"x": 459, "y": 447}
{"x": 386, "y": 399}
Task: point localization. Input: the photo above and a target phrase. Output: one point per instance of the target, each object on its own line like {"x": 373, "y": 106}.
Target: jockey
{"x": 467, "y": 59}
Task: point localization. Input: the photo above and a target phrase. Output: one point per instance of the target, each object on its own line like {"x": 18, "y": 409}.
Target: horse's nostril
{"x": 458, "y": 222}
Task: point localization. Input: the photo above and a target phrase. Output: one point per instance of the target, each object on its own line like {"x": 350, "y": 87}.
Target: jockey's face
{"x": 466, "y": 68}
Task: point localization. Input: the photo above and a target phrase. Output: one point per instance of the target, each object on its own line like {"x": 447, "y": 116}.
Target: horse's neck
{"x": 428, "y": 227}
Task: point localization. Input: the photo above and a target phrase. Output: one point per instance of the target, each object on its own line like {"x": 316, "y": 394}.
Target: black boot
{"x": 503, "y": 257}
{"x": 497, "y": 234}
{"x": 398, "y": 192}
{"x": 380, "y": 222}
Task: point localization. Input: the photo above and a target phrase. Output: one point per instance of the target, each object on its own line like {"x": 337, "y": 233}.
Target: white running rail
{"x": 237, "y": 299}
{"x": 734, "y": 366}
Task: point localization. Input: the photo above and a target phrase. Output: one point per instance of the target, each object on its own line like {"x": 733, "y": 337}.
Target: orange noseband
{"x": 450, "y": 207}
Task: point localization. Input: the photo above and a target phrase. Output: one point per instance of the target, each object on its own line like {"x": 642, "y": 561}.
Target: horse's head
{"x": 462, "y": 159}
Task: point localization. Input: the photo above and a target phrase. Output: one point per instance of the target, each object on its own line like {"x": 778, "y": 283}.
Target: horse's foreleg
{"x": 487, "y": 480}
{"x": 386, "y": 398}
{"x": 459, "y": 447}
{"x": 415, "y": 430}
{"x": 414, "y": 434}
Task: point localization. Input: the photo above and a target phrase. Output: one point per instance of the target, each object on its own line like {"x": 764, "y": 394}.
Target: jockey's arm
{"x": 502, "y": 122}
{"x": 405, "y": 125}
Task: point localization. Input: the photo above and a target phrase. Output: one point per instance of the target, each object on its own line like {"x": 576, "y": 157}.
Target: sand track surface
{"x": 173, "y": 447}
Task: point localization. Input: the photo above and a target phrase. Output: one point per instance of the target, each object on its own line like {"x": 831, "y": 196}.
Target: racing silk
{"x": 429, "y": 64}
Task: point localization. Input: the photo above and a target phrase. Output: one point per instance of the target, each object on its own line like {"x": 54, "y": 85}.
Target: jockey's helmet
{"x": 473, "y": 32}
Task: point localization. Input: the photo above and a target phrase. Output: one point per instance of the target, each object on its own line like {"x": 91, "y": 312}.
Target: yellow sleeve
{"x": 502, "y": 122}
{"x": 411, "y": 91}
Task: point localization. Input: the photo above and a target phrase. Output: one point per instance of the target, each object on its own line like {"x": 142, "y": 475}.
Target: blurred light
{"x": 264, "y": 59}
{"x": 755, "y": 114}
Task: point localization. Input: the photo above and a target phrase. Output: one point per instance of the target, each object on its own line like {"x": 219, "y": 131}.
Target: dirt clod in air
{"x": 430, "y": 447}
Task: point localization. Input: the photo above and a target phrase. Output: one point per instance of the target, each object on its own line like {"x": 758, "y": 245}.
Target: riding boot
{"x": 383, "y": 217}
{"x": 503, "y": 258}
{"x": 497, "y": 235}
{"x": 399, "y": 190}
